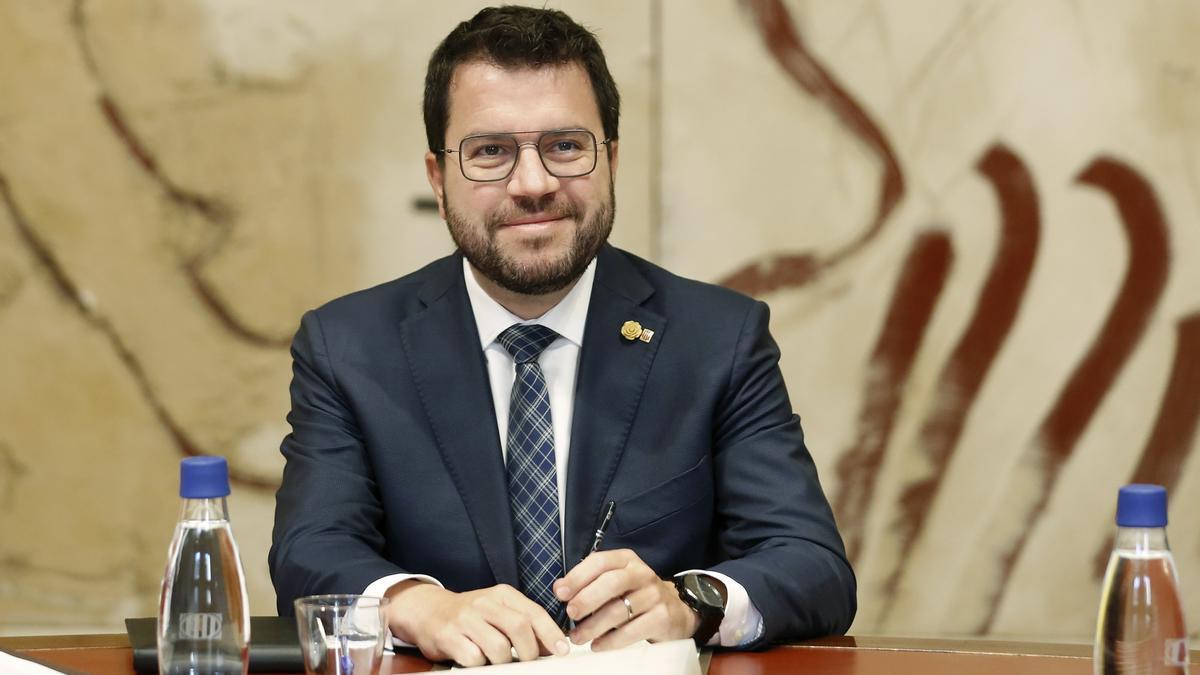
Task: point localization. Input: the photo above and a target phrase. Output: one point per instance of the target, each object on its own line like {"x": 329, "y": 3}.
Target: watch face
{"x": 705, "y": 591}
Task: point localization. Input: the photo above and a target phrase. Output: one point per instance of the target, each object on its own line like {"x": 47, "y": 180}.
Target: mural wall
{"x": 975, "y": 223}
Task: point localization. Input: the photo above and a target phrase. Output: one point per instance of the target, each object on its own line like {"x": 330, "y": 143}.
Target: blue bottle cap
{"x": 203, "y": 478}
{"x": 1142, "y": 505}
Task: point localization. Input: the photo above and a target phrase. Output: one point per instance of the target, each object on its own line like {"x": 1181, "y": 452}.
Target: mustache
{"x": 552, "y": 206}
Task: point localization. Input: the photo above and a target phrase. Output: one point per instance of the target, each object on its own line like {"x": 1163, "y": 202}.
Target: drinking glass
{"x": 342, "y": 634}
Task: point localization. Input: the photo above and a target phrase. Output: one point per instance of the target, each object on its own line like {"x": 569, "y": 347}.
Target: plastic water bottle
{"x": 1140, "y": 628}
{"x": 203, "y": 614}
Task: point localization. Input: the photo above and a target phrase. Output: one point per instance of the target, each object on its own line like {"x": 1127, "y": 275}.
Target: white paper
{"x": 11, "y": 665}
{"x": 678, "y": 657}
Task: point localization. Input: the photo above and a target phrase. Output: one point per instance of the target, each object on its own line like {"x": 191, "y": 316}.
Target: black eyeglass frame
{"x": 537, "y": 146}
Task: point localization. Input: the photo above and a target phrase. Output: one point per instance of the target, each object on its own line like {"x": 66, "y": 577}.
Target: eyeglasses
{"x": 565, "y": 153}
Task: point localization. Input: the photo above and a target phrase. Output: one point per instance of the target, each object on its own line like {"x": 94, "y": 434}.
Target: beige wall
{"x": 180, "y": 180}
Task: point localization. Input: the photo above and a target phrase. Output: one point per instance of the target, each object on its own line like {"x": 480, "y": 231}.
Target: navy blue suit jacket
{"x": 394, "y": 463}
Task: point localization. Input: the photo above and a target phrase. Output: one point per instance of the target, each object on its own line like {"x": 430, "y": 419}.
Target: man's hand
{"x": 597, "y": 589}
{"x": 472, "y": 628}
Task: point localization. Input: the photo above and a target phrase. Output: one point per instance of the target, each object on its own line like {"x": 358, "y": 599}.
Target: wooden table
{"x": 110, "y": 655}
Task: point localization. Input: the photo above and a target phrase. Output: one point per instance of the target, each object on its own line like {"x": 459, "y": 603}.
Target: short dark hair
{"x": 516, "y": 37}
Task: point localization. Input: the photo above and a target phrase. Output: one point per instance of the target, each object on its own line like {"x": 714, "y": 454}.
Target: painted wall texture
{"x": 975, "y": 223}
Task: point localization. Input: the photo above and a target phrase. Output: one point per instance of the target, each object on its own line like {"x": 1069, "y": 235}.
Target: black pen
{"x": 609, "y": 510}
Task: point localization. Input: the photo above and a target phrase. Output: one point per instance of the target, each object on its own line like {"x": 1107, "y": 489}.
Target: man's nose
{"x": 529, "y": 177}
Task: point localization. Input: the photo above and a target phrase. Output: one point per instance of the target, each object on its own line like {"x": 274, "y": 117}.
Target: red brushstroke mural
{"x": 963, "y": 375}
{"x": 998, "y": 305}
{"x": 1170, "y": 442}
{"x": 787, "y": 47}
{"x": 1146, "y": 275}
{"x": 909, "y": 313}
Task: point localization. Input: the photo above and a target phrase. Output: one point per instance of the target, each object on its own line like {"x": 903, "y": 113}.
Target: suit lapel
{"x": 608, "y": 391}
{"x": 441, "y": 345}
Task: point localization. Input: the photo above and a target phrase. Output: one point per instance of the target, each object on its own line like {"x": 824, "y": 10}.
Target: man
{"x": 459, "y": 432}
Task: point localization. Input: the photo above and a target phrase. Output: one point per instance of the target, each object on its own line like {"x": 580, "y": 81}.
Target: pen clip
{"x": 602, "y": 527}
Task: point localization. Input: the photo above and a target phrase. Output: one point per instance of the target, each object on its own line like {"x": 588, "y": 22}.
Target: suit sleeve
{"x": 775, "y": 523}
{"x": 328, "y": 514}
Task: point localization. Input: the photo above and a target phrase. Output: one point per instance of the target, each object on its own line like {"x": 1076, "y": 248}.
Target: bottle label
{"x": 200, "y": 626}
{"x": 1176, "y": 652}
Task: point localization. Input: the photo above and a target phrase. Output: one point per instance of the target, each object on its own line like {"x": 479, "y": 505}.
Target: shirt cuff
{"x": 380, "y": 587}
{"x": 743, "y": 623}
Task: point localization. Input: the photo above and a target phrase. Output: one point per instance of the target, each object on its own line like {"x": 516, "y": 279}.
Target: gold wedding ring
{"x": 628, "y": 609}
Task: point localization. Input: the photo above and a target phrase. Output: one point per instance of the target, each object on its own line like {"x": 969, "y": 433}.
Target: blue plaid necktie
{"x": 532, "y": 474}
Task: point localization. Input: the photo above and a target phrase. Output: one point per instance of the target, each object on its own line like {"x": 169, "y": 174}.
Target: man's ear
{"x": 612, "y": 159}
{"x": 433, "y": 171}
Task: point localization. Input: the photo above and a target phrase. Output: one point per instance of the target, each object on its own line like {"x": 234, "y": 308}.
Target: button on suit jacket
{"x": 394, "y": 463}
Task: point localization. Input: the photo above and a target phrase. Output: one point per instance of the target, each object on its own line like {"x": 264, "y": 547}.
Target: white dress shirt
{"x": 560, "y": 365}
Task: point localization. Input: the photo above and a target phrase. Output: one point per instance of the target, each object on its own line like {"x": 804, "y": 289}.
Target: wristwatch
{"x": 701, "y": 594}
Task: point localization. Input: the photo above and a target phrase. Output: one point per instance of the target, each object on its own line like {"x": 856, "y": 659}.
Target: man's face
{"x": 531, "y": 233}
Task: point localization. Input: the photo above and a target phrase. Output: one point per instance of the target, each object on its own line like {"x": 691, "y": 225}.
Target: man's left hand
{"x": 616, "y": 600}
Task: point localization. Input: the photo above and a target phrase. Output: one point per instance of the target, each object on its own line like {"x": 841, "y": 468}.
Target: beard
{"x": 545, "y": 274}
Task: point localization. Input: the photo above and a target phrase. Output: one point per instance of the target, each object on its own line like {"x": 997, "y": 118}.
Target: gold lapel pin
{"x": 632, "y": 330}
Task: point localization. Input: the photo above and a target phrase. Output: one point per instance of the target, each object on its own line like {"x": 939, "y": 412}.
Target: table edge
{"x": 35, "y": 643}
{"x": 121, "y": 640}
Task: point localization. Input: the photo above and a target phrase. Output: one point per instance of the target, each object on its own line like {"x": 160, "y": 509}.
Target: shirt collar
{"x": 567, "y": 318}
